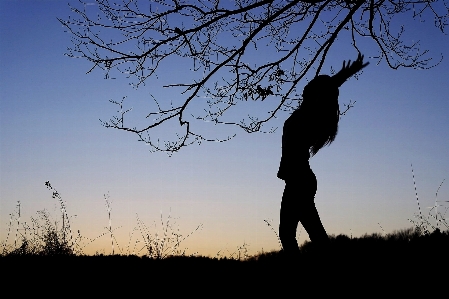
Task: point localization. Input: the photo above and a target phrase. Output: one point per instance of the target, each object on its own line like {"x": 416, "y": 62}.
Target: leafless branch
{"x": 242, "y": 52}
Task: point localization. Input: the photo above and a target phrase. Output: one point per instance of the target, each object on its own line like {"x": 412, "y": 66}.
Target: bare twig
{"x": 140, "y": 39}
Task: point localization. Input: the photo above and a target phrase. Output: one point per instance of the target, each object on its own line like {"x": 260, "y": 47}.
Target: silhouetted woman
{"x": 306, "y": 131}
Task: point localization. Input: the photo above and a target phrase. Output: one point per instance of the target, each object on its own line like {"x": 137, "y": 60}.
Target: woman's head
{"x": 322, "y": 84}
{"x": 320, "y": 108}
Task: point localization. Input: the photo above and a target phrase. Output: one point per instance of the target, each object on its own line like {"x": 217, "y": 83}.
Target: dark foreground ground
{"x": 350, "y": 267}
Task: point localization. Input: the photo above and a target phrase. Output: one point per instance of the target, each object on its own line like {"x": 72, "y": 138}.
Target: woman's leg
{"x": 298, "y": 206}
{"x": 310, "y": 220}
{"x": 289, "y": 220}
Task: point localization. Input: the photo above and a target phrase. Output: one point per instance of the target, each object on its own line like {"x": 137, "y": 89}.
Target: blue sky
{"x": 50, "y": 131}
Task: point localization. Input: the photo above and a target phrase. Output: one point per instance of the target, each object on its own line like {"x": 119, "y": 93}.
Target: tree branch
{"x": 137, "y": 39}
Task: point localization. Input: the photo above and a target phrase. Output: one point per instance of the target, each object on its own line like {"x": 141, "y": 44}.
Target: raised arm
{"x": 348, "y": 70}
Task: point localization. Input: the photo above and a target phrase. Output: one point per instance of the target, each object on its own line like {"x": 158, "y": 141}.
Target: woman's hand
{"x": 356, "y": 65}
{"x": 349, "y": 69}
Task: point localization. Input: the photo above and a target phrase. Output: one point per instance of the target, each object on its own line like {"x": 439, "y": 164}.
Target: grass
{"x": 46, "y": 237}
{"x": 49, "y": 237}
{"x": 47, "y": 256}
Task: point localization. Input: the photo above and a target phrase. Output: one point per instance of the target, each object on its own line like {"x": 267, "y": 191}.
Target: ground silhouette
{"x": 373, "y": 263}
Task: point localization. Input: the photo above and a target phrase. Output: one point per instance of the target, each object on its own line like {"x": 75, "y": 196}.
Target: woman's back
{"x": 296, "y": 142}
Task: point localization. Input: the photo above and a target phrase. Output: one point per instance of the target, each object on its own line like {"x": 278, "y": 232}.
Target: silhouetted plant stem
{"x": 18, "y": 224}
{"x": 108, "y": 207}
{"x": 417, "y": 200}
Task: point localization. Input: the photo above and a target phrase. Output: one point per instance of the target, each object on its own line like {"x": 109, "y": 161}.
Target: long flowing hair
{"x": 321, "y": 112}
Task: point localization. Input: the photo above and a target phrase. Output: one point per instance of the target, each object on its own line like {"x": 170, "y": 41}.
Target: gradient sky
{"x": 50, "y": 131}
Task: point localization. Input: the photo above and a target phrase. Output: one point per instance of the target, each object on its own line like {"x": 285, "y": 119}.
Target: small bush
{"x": 47, "y": 237}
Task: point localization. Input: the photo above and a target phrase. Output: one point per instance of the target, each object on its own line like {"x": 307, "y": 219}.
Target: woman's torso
{"x": 295, "y": 149}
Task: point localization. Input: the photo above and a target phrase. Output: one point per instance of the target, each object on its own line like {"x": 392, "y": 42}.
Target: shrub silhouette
{"x": 47, "y": 238}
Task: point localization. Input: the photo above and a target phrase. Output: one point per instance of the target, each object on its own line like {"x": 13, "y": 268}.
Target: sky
{"x": 50, "y": 131}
